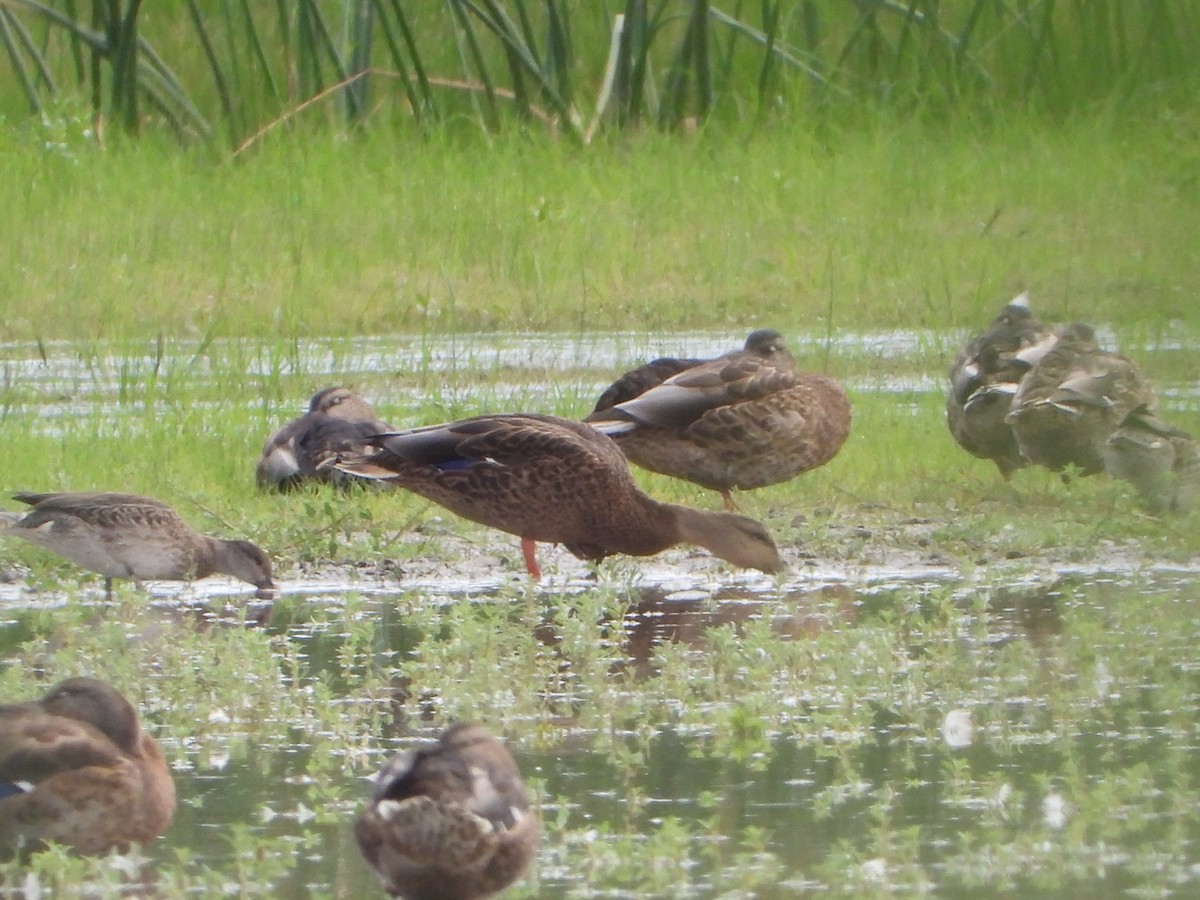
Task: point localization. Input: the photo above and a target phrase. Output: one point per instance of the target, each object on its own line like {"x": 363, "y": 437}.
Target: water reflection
{"x": 661, "y": 616}
{"x": 1083, "y": 690}
{"x": 1031, "y": 613}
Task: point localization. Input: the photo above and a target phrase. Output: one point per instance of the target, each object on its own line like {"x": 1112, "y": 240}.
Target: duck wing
{"x": 684, "y": 398}
{"x": 637, "y": 381}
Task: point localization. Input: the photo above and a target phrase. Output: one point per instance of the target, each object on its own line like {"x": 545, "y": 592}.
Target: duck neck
{"x": 653, "y": 528}
{"x": 702, "y": 528}
{"x": 734, "y": 538}
{"x": 207, "y": 560}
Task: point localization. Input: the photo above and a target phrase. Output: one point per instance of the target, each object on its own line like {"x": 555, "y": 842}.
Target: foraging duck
{"x": 1073, "y": 399}
{"x": 743, "y": 420}
{"x": 76, "y": 768}
{"x": 984, "y": 377}
{"x": 338, "y": 421}
{"x": 1161, "y": 461}
{"x": 449, "y": 821}
{"x": 128, "y": 536}
{"x": 543, "y": 478}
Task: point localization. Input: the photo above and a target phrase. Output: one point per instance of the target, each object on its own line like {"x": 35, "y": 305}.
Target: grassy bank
{"x": 891, "y": 225}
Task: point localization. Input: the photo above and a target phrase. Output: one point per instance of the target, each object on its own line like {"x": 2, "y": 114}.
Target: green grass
{"x": 188, "y": 306}
{"x": 889, "y": 226}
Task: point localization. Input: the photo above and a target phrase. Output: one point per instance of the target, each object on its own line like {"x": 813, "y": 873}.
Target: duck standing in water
{"x": 984, "y": 378}
{"x": 129, "y": 536}
{"x": 77, "y": 769}
{"x": 743, "y": 420}
{"x": 548, "y": 479}
{"x": 449, "y": 821}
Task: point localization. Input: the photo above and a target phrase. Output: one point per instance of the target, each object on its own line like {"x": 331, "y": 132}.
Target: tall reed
{"x": 241, "y": 68}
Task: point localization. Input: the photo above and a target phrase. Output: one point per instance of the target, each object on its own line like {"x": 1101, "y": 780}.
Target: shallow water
{"x": 859, "y": 729}
{"x": 1077, "y": 775}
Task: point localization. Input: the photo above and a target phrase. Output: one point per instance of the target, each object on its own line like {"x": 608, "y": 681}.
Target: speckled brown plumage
{"x": 129, "y": 536}
{"x": 765, "y": 344}
{"x": 549, "y": 479}
{"x": 1073, "y": 400}
{"x": 76, "y": 768}
{"x": 338, "y": 422}
{"x": 449, "y": 821}
{"x": 745, "y": 420}
{"x": 985, "y": 376}
{"x": 1161, "y": 461}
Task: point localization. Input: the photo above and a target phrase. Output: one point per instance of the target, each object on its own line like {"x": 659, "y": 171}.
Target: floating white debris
{"x": 128, "y": 864}
{"x": 1055, "y": 810}
{"x": 1003, "y": 795}
{"x": 958, "y": 729}
{"x": 1104, "y": 680}
{"x": 875, "y": 869}
{"x": 218, "y": 761}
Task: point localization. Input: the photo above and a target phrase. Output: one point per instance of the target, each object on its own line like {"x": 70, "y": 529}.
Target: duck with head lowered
{"x": 555, "y": 480}
{"x": 130, "y": 536}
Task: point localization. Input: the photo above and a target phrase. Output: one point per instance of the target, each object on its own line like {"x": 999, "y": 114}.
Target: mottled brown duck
{"x": 77, "y": 769}
{"x": 744, "y": 420}
{"x": 984, "y": 378}
{"x": 129, "y": 536}
{"x": 1161, "y": 461}
{"x": 449, "y": 821}
{"x": 554, "y": 480}
{"x": 766, "y": 344}
{"x": 1069, "y": 404}
{"x": 338, "y": 422}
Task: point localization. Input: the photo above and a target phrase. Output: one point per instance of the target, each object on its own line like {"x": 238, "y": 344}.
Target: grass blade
{"x": 7, "y": 37}
{"x": 468, "y": 46}
{"x": 218, "y": 74}
{"x": 389, "y": 37}
{"x": 406, "y": 32}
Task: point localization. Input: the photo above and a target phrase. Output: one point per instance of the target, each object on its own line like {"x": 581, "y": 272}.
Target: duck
{"x": 765, "y": 343}
{"x": 77, "y": 769}
{"x": 1073, "y": 399}
{"x": 130, "y": 536}
{"x": 545, "y": 478}
{"x": 1161, "y": 461}
{"x": 984, "y": 378}
{"x": 743, "y": 420}
{"x": 450, "y": 820}
{"x": 338, "y": 421}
